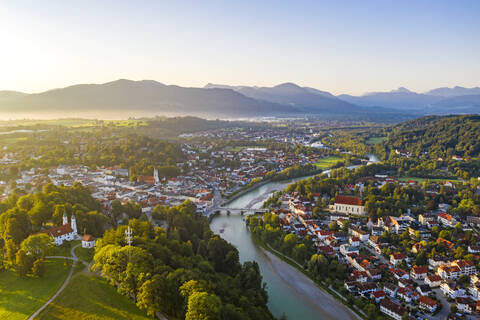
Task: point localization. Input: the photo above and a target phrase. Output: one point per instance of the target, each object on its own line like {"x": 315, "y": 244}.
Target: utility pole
{"x": 128, "y": 235}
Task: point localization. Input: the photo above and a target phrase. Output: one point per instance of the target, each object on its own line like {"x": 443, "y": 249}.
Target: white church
{"x": 65, "y": 232}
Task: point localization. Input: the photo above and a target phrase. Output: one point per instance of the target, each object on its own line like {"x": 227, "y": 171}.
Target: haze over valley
{"x": 126, "y": 98}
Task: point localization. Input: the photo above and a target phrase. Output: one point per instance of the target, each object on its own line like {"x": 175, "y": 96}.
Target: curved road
{"x": 65, "y": 283}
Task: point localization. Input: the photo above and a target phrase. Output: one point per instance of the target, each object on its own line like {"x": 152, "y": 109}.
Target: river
{"x": 290, "y": 292}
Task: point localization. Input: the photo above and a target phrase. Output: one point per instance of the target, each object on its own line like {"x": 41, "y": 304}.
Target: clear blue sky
{"x": 338, "y": 46}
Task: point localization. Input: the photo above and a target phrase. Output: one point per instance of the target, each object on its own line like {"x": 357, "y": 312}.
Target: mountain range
{"x": 214, "y": 100}
{"x": 441, "y": 100}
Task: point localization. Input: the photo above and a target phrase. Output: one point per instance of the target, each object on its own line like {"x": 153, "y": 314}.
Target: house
{"x": 362, "y": 235}
{"x": 473, "y": 249}
{"x": 390, "y": 289}
{"x": 424, "y": 290}
{"x": 405, "y": 294}
{"x": 392, "y": 309}
{"x": 346, "y": 249}
{"x": 419, "y": 272}
{"x": 437, "y": 261}
{"x": 427, "y": 304}
{"x": 465, "y": 305}
{"x": 396, "y": 258}
{"x": 466, "y": 267}
{"x": 474, "y": 291}
{"x": 446, "y": 219}
{"x": 65, "y": 232}
{"x": 452, "y": 289}
{"x": 349, "y": 205}
{"x": 354, "y": 241}
{"x": 374, "y": 274}
{"x": 88, "y": 241}
{"x": 433, "y": 281}
{"x": 448, "y": 272}
{"x": 445, "y": 242}
{"x": 417, "y": 247}
{"x": 365, "y": 288}
{"x": 378, "y": 295}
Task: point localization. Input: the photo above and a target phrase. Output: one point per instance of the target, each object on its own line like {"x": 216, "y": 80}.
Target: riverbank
{"x": 305, "y": 285}
{"x": 241, "y": 192}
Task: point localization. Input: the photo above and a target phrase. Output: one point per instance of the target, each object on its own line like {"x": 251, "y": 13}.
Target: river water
{"x": 294, "y": 301}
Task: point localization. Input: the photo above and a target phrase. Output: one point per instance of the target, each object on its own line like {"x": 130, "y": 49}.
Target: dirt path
{"x": 65, "y": 283}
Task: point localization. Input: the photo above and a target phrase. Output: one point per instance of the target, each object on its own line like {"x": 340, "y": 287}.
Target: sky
{"x": 337, "y": 46}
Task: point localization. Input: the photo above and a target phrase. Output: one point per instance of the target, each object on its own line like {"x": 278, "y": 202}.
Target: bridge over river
{"x": 241, "y": 210}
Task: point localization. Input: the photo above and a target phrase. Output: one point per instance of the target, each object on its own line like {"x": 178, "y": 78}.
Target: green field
{"x": 375, "y": 140}
{"x": 238, "y": 149}
{"x": 90, "y": 297}
{"x": 422, "y": 180}
{"x": 84, "y": 254}
{"x": 327, "y": 162}
{"x": 20, "y": 297}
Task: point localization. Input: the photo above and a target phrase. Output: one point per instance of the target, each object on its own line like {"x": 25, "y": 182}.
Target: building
{"x": 465, "y": 305}
{"x": 392, "y": 309}
{"x": 427, "y": 304}
{"x": 396, "y": 258}
{"x": 446, "y": 219}
{"x": 433, "y": 281}
{"x": 349, "y": 205}
{"x": 65, "y": 232}
{"x": 88, "y": 241}
{"x": 452, "y": 289}
{"x": 419, "y": 272}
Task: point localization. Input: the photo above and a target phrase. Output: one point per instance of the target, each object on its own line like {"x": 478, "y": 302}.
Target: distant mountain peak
{"x": 401, "y": 90}
{"x": 288, "y": 85}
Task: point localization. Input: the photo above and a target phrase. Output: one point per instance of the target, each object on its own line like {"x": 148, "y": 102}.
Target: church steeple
{"x": 65, "y": 218}
{"x": 73, "y": 224}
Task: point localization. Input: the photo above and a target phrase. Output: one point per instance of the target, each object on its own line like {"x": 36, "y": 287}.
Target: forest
{"x": 24, "y": 215}
{"x": 183, "y": 271}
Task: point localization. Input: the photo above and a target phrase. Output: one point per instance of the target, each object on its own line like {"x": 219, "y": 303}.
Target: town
{"x": 387, "y": 259}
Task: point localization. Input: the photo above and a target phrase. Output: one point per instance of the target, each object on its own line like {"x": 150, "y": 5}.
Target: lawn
{"x": 327, "y": 162}
{"x": 20, "y": 297}
{"x": 84, "y": 254}
{"x": 90, "y": 297}
{"x": 238, "y": 149}
{"x": 422, "y": 180}
{"x": 375, "y": 140}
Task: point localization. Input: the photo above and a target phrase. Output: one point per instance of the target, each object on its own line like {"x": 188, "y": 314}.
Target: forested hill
{"x": 183, "y": 271}
{"x": 438, "y": 136}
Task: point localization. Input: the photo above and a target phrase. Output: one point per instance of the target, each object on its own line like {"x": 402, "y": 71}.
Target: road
{"x": 65, "y": 283}
{"x": 443, "y": 314}
{"x": 217, "y": 199}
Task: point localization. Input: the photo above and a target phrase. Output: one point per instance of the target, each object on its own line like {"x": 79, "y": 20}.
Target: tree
{"x": 15, "y": 225}
{"x": 24, "y": 262}
{"x": 318, "y": 264}
{"x": 332, "y": 226}
{"x": 289, "y": 242}
{"x": 38, "y": 268}
{"x": 39, "y": 214}
{"x": 301, "y": 252}
{"x": 203, "y": 306}
{"x": 223, "y": 255}
{"x": 37, "y": 245}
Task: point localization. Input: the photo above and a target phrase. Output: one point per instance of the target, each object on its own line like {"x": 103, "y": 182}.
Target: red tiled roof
{"x": 88, "y": 237}
{"x": 59, "y": 231}
{"x": 420, "y": 269}
{"x": 427, "y": 301}
{"x": 348, "y": 200}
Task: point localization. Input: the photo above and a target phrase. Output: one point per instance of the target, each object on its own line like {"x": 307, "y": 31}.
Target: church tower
{"x": 65, "y": 219}
{"x": 155, "y": 176}
{"x": 74, "y": 224}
